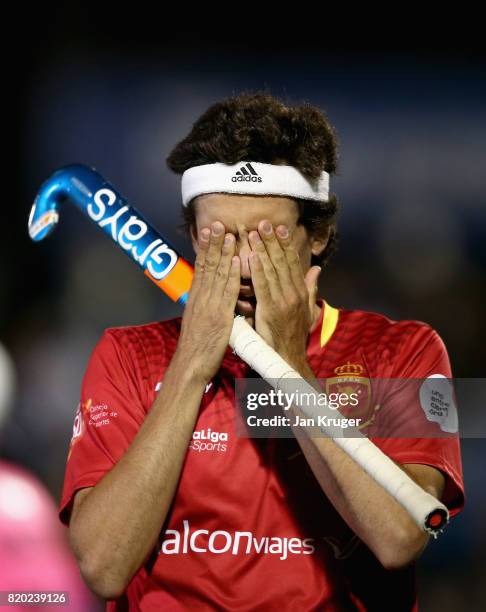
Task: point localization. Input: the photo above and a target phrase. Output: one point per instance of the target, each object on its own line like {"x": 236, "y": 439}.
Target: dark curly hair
{"x": 258, "y": 127}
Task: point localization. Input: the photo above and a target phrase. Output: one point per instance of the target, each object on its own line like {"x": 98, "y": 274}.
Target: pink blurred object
{"x": 34, "y": 552}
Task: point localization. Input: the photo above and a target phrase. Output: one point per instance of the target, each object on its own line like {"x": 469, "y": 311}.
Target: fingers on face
{"x": 269, "y": 267}
{"x": 217, "y": 269}
{"x": 213, "y": 253}
{"x": 274, "y": 263}
{"x": 271, "y": 275}
{"x": 287, "y": 245}
{"x": 259, "y": 279}
{"x": 277, "y": 251}
{"x": 203, "y": 245}
{"x": 222, "y": 272}
{"x": 232, "y": 287}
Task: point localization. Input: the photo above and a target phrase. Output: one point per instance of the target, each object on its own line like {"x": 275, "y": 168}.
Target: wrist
{"x": 189, "y": 366}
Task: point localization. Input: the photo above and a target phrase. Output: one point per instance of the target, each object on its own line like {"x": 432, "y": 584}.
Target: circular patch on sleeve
{"x": 437, "y": 402}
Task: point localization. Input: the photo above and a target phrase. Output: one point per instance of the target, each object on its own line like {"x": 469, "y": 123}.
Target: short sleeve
{"x": 108, "y": 416}
{"x": 421, "y": 415}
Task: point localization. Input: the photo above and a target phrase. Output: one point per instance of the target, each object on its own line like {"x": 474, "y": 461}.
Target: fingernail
{"x": 227, "y": 240}
{"x": 267, "y": 227}
{"x": 205, "y": 234}
{"x": 283, "y": 232}
{"x": 217, "y": 229}
{"x": 255, "y": 236}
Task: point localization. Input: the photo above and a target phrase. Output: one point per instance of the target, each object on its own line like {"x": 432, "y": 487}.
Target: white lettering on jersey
{"x": 239, "y": 542}
{"x": 209, "y": 440}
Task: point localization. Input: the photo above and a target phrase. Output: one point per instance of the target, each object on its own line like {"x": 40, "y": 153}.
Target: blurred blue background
{"x": 412, "y": 134}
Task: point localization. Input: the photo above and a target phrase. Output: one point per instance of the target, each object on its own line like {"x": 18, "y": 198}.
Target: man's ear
{"x": 319, "y": 242}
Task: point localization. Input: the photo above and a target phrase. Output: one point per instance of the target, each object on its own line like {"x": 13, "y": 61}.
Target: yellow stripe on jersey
{"x": 329, "y": 323}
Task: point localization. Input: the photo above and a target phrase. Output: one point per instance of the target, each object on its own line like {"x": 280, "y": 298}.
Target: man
{"x": 169, "y": 508}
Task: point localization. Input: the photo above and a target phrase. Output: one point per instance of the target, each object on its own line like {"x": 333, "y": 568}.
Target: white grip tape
{"x": 248, "y": 345}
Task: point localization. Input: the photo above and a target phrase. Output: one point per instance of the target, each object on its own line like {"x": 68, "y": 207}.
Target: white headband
{"x": 252, "y": 178}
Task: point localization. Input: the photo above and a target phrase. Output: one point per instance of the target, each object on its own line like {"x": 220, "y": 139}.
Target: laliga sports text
{"x": 208, "y": 440}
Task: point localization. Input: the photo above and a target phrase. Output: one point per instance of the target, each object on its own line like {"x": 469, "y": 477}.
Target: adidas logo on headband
{"x": 248, "y": 174}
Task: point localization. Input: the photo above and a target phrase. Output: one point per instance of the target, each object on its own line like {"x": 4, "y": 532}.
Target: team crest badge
{"x": 349, "y": 379}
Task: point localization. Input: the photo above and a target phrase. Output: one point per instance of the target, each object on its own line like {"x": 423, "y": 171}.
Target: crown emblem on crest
{"x": 350, "y": 369}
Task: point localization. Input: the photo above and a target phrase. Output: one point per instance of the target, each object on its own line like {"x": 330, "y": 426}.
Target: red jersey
{"x": 250, "y": 529}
